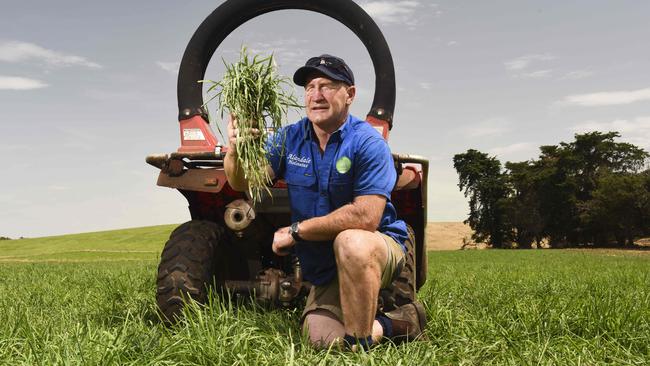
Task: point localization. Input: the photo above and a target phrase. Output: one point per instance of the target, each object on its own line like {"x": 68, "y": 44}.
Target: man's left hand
{"x": 282, "y": 241}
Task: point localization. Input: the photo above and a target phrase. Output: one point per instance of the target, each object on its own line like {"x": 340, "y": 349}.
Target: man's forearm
{"x": 234, "y": 172}
{"x": 363, "y": 214}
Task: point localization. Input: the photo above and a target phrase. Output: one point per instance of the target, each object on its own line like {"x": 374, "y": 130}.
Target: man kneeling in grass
{"x": 340, "y": 174}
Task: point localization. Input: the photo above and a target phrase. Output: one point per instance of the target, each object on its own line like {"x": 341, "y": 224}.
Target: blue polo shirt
{"x": 356, "y": 162}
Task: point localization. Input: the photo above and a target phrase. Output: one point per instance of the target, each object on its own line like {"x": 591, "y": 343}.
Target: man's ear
{"x": 352, "y": 92}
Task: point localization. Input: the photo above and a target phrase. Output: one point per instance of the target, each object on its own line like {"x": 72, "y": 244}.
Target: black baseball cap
{"x": 331, "y": 66}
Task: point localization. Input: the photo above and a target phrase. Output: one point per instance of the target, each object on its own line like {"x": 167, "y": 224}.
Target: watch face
{"x": 293, "y": 231}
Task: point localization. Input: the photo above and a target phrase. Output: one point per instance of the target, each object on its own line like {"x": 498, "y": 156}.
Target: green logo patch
{"x": 343, "y": 165}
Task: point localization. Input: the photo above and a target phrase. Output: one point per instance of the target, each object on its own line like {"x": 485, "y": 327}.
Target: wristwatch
{"x": 295, "y": 232}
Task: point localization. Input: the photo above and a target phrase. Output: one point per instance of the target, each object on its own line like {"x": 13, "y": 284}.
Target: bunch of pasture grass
{"x": 253, "y": 92}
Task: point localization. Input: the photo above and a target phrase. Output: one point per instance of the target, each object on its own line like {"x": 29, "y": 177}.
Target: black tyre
{"x": 187, "y": 266}
{"x": 402, "y": 290}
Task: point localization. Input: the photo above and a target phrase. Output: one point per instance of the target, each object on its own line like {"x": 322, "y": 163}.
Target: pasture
{"x": 89, "y": 299}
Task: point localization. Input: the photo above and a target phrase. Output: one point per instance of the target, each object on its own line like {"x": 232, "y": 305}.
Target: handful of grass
{"x": 252, "y": 90}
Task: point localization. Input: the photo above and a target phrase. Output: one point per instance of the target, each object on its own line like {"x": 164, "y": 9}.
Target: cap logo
{"x": 322, "y": 61}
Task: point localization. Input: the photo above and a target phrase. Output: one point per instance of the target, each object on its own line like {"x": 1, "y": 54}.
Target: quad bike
{"x": 226, "y": 247}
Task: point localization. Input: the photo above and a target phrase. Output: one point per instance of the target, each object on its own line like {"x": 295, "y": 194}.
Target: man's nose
{"x": 317, "y": 94}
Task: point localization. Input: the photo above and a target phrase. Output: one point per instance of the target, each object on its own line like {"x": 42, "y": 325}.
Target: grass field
{"x": 89, "y": 299}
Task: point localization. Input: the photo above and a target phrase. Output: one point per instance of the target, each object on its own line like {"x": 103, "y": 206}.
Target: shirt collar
{"x": 343, "y": 130}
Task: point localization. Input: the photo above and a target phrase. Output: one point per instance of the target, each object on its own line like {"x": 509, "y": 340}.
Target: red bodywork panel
{"x": 211, "y": 206}
{"x": 380, "y": 125}
{"x": 196, "y": 135}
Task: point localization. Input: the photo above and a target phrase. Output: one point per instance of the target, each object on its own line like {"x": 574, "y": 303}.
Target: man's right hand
{"x": 282, "y": 242}
{"x": 235, "y": 175}
{"x": 234, "y": 135}
{"x": 233, "y": 132}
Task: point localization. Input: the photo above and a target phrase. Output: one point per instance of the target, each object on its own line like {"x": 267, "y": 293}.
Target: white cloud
{"x": 639, "y": 124}
{"x": 635, "y": 131}
{"x": 285, "y": 43}
{"x": 290, "y": 52}
{"x": 19, "y": 83}
{"x": 521, "y": 63}
{"x": 520, "y": 67}
{"x": 489, "y": 127}
{"x": 14, "y": 51}
{"x": 538, "y": 74}
{"x": 171, "y": 67}
{"x": 518, "y": 150}
{"x": 607, "y": 98}
{"x": 391, "y": 12}
{"x": 452, "y": 43}
{"x": 578, "y": 74}
{"x": 57, "y": 188}
{"x": 435, "y": 10}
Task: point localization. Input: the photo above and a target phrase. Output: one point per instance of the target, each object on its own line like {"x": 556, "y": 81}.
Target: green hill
{"x": 124, "y": 244}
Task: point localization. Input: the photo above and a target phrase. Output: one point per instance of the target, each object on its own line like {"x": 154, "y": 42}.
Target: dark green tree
{"x": 595, "y": 157}
{"x": 556, "y": 188}
{"x": 481, "y": 179}
{"x": 523, "y": 204}
{"x": 570, "y": 173}
{"x": 619, "y": 208}
{"x": 588, "y": 191}
{"x": 645, "y": 212}
{"x": 596, "y": 152}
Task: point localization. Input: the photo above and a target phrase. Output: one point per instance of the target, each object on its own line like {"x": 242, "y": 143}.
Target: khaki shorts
{"x": 327, "y": 296}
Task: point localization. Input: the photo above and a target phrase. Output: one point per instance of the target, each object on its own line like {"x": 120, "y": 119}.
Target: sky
{"x": 88, "y": 90}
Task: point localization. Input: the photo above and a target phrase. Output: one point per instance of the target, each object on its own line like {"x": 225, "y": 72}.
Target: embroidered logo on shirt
{"x": 298, "y": 161}
{"x": 343, "y": 165}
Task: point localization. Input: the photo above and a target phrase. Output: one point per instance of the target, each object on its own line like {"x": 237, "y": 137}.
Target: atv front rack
{"x": 193, "y": 171}
{"x": 177, "y": 164}
{"x": 190, "y": 160}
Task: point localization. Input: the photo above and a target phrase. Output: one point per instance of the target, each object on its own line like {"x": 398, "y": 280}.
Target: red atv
{"x": 227, "y": 244}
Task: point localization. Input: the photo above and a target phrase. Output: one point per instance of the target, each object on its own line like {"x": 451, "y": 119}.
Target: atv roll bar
{"x": 233, "y": 13}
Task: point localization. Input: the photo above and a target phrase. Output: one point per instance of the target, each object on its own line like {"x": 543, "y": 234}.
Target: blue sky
{"x": 87, "y": 90}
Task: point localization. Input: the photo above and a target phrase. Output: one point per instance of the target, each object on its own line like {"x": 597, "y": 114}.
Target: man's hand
{"x": 234, "y": 135}
{"x": 282, "y": 241}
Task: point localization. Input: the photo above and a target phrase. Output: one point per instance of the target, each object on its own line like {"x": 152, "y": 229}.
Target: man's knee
{"x": 323, "y": 328}
{"x": 348, "y": 245}
{"x": 356, "y": 246}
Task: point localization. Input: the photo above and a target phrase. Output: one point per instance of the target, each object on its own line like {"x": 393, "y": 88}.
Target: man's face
{"x": 327, "y": 101}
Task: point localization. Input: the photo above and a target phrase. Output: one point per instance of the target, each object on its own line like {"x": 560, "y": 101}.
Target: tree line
{"x": 593, "y": 191}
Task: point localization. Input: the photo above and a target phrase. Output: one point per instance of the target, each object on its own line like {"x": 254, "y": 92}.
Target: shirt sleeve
{"x": 375, "y": 170}
{"x": 275, "y": 153}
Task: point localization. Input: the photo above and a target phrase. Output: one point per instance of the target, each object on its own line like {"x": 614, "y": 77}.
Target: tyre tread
{"x": 186, "y": 266}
